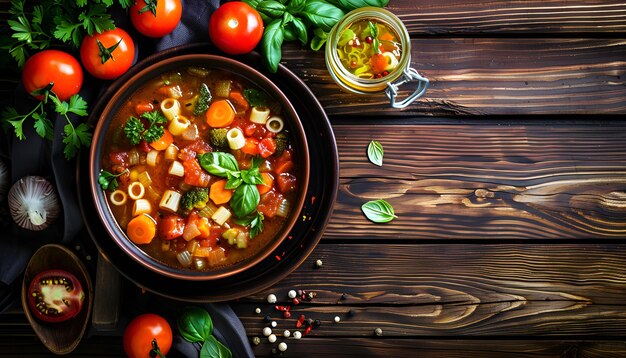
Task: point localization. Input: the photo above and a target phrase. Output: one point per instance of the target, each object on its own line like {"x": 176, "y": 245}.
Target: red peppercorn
{"x": 307, "y": 330}
{"x": 353, "y": 64}
{"x": 300, "y": 321}
{"x": 286, "y": 314}
{"x": 385, "y": 73}
{"x": 295, "y": 301}
{"x": 281, "y": 308}
{"x": 369, "y": 39}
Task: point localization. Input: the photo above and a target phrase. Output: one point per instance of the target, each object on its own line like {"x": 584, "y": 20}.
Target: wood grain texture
{"x": 456, "y": 290}
{"x": 487, "y": 182}
{"x": 426, "y": 348}
{"x": 510, "y": 17}
{"x": 482, "y": 76}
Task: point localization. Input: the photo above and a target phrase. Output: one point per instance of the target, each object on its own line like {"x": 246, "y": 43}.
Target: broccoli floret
{"x": 218, "y": 137}
{"x": 282, "y": 142}
{"x": 194, "y": 198}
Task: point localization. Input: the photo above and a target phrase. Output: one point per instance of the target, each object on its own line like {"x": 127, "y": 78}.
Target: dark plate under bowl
{"x": 144, "y": 74}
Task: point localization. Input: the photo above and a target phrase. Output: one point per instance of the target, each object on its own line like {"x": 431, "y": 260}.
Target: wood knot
{"x": 483, "y": 193}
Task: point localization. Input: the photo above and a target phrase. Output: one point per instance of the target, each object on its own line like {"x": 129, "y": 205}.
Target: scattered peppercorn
{"x": 317, "y": 323}
{"x": 299, "y": 292}
{"x": 300, "y": 321}
{"x": 286, "y": 334}
{"x": 286, "y": 314}
{"x": 271, "y": 338}
{"x": 337, "y": 319}
{"x": 267, "y": 331}
{"x": 295, "y": 301}
{"x": 291, "y": 294}
{"x": 297, "y": 335}
{"x": 378, "y": 332}
{"x": 344, "y": 296}
{"x": 282, "y": 346}
{"x": 307, "y": 330}
{"x": 257, "y": 310}
{"x": 369, "y": 39}
{"x": 271, "y": 298}
{"x": 267, "y": 319}
{"x": 318, "y": 263}
{"x": 256, "y": 341}
{"x": 273, "y": 324}
{"x": 311, "y": 295}
{"x": 309, "y": 322}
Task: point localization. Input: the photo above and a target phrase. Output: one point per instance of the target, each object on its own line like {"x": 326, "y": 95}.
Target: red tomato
{"x": 142, "y": 330}
{"x": 267, "y": 147}
{"x": 235, "y": 28}
{"x": 55, "y": 296}
{"x": 53, "y": 66}
{"x": 171, "y": 227}
{"x": 109, "y": 54}
{"x": 286, "y": 182}
{"x": 156, "y": 18}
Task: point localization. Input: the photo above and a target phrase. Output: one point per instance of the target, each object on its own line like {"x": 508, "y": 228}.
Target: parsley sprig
{"x": 51, "y": 22}
{"x": 374, "y": 33}
{"x": 135, "y": 130}
{"x": 74, "y": 137}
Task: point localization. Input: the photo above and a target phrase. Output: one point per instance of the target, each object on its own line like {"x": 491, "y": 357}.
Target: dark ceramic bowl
{"x": 139, "y": 79}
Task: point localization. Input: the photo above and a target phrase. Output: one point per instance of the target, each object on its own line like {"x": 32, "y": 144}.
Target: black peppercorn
{"x": 344, "y": 296}
{"x": 267, "y": 319}
{"x": 309, "y": 321}
{"x": 317, "y": 323}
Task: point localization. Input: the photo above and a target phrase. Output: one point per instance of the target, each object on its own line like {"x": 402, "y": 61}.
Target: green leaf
{"x": 301, "y": 30}
{"x": 133, "y": 128}
{"x": 77, "y": 105}
{"x": 43, "y": 126}
{"x": 295, "y": 6}
{"x": 256, "y": 98}
{"x": 375, "y": 153}
{"x": 67, "y": 31}
{"x": 126, "y": 3}
{"x": 271, "y": 8}
{"x": 212, "y": 348}
{"x": 322, "y": 14}
{"x": 233, "y": 183}
{"x": 19, "y": 54}
{"x": 153, "y": 133}
{"x": 218, "y": 163}
{"x": 154, "y": 117}
{"x": 11, "y": 117}
{"x": 252, "y": 3}
{"x": 252, "y": 176}
{"x": 75, "y": 138}
{"x": 195, "y": 324}
{"x": 204, "y": 99}
{"x": 22, "y": 29}
{"x": 61, "y": 107}
{"x": 378, "y": 211}
{"x": 245, "y": 200}
{"x": 319, "y": 40}
{"x": 255, "y": 221}
{"x": 38, "y": 14}
{"x": 271, "y": 44}
{"x": 96, "y": 19}
{"x": 349, "y": 5}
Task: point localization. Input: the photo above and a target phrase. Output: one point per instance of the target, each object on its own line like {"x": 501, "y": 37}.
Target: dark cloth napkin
{"x": 36, "y": 156}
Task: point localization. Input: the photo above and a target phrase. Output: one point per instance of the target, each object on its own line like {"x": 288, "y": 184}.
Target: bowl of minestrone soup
{"x": 199, "y": 167}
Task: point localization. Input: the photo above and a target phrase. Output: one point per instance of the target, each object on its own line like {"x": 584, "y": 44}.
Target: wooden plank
{"x": 455, "y": 291}
{"x": 490, "y": 76}
{"x": 485, "y": 181}
{"x": 96, "y": 346}
{"x": 551, "y": 17}
{"x": 426, "y": 348}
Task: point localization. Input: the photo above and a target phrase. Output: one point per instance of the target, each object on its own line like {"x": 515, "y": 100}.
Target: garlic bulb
{"x": 4, "y": 179}
{"x": 33, "y": 203}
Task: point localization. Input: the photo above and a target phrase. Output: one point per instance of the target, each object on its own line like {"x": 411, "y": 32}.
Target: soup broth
{"x": 201, "y": 170}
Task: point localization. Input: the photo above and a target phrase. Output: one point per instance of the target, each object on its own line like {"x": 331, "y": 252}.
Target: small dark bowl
{"x": 241, "y": 70}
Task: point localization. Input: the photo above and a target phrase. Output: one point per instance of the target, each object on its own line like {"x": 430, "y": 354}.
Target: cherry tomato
{"x": 140, "y": 333}
{"x": 156, "y": 18}
{"x": 55, "y": 296}
{"x": 109, "y": 54}
{"x": 56, "y": 67}
{"x": 235, "y": 28}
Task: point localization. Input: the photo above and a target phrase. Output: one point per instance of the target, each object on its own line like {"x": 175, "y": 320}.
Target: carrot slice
{"x": 268, "y": 183}
{"x": 220, "y": 114}
{"x": 141, "y": 229}
{"x": 163, "y": 142}
{"x": 283, "y": 167}
{"x": 239, "y": 100}
{"x": 251, "y": 146}
{"x": 219, "y": 194}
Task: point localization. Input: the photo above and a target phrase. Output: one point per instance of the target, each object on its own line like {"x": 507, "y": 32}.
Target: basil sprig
{"x": 378, "y": 211}
{"x": 375, "y": 153}
{"x": 195, "y": 325}
{"x": 246, "y": 197}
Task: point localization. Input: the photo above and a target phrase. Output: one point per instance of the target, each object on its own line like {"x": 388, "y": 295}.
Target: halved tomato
{"x": 55, "y": 296}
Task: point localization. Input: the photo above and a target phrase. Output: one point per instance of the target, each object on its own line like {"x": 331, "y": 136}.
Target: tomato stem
{"x": 106, "y": 53}
{"x": 155, "y": 351}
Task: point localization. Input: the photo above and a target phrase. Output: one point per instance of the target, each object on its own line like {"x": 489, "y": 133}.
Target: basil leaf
{"x": 255, "y": 221}
{"x": 289, "y": 32}
{"x": 301, "y": 30}
{"x": 218, "y": 163}
{"x": 233, "y": 183}
{"x": 256, "y": 98}
{"x": 319, "y": 40}
{"x": 295, "y": 6}
{"x": 252, "y": 176}
{"x": 375, "y": 153}
{"x": 195, "y": 324}
{"x": 245, "y": 200}
{"x": 378, "y": 211}
{"x": 212, "y": 348}
{"x": 322, "y": 14}
{"x": 252, "y": 3}
{"x": 348, "y": 5}
{"x": 271, "y": 8}
{"x": 271, "y": 44}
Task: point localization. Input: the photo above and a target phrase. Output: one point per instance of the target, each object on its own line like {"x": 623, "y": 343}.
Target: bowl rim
{"x": 129, "y": 87}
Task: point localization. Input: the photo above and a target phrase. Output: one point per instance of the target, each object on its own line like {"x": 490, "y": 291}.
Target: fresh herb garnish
{"x": 374, "y": 33}
{"x": 195, "y": 325}
{"x": 73, "y": 136}
{"x": 256, "y": 98}
{"x": 246, "y": 197}
{"x": 108, "y": 180}
{"x": 375, "y": 153}
{"x": 204, "y": 99}
{"x": 135, "y": 130}
{"x": 255, "y": 221}
{"x": 378, "y": 211}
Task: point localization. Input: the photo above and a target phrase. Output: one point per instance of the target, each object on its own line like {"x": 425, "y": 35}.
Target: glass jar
{"x": 402, "y": 74}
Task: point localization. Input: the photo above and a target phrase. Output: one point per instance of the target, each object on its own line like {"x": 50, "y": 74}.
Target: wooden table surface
{"x": 509, "y": 182}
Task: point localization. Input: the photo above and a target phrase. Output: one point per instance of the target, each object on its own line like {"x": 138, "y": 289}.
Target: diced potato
{"x": 221, "y": 215}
